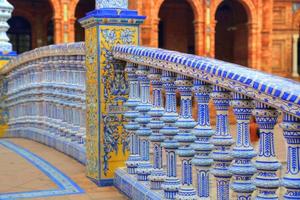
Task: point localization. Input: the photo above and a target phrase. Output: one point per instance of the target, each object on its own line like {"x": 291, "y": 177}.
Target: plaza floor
{"x": 30, "y": 169}
{"x": 24, "y": 165}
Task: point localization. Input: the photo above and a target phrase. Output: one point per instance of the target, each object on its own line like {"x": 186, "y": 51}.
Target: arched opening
{"x": 176, "y": 27}
{"x": 83, "y": 7}
{"x": 20, "y": 34}
{"x": 38, "y": 14}
{"x": 231, "y": 39}
{"x": 50, "y": 32}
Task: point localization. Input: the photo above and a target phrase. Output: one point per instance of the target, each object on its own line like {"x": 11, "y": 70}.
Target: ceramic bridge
{"x": 111, "y": 104}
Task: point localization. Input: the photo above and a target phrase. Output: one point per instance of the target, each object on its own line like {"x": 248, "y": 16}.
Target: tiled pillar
{"x": 132, "y": 126}
{"x": 144, "y": 167}
{"x": 171, "y": 183}
{"x": 110, "y": 24}
{"x": 156, "y": 124}
{"x": 242, "y": 167}
{"x": 266, "y": 181}
{"x": 203, "y": 131}
{"x": 222, "y": 141}
{"x": 291, "y": 179}
{"x": 185, "y": 123}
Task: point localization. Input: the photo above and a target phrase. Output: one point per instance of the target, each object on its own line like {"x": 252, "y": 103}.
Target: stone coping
{"x": 66, "y": 49}
{"x": 275, "y": 91}
{"x": 134, "y": 189}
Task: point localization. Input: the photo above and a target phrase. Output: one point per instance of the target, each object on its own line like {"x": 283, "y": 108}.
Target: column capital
{"x": 155, "y": 77}
{"x": 295, "y": 37}
{"x": 221, "y": 98}
{"x": 184, "y": 83}
{"x": 242, "y": 106}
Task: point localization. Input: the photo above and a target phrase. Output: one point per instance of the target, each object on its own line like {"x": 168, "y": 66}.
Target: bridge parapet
{"x": 46, "y": 101}
{"x": 46, "y": 97}
{"x": 234, "y": 165}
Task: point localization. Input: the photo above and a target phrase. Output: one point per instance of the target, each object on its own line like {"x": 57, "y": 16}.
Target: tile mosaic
{"x": 65, "y": 185}
{"x": 278, "y": 92}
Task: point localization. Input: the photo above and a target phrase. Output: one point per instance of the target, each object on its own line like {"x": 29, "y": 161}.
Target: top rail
{"x": 66, "y": 49}
{"x": 278, "y": 92}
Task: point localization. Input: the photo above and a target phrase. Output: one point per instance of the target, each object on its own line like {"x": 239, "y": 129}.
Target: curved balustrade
{"x": 46, "y": 97}
{"x": 237, "y": 170}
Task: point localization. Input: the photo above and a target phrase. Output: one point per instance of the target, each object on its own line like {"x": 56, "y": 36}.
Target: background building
{"x": 261, "y": 34}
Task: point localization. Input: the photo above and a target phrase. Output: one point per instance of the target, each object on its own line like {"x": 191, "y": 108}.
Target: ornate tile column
{"x": 203, "y": 131}
{"x": 132, "y": 126}
{"x": 172, "y": 183}
{"x": 291, "y": 179}
{"x": 144, "y": 168}
{"x": 185, "y": 123}
{"x": 242, "y": 168}
{"x": 266, "y": 181}
{"x": 156, "y": 124}
{"x": 222, "y": 141}
{"x": 106, "y": 87}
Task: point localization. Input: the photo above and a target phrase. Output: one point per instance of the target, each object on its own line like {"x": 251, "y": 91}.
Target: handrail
{"x": 66, "y": 49}
{"x": 255, "y": 97}
{"x": 45, "y": 97}
{"x": 278, "y": 92}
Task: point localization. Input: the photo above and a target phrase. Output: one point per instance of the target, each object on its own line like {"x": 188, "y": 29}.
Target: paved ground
{"x": 18, "y": 175}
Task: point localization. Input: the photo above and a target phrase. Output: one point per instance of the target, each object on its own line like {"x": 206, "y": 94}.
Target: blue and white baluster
{"x": 185, "y": 123}
{"x": 203, "y": 131}
{"x": 291, "y": 180}
{"x": 242, "y": 168}
{"x": 170, "y": 145}
{"x": 144, "y": 167}
{"x": 222, "y": 140}
{"x": 132, "y": 126}
{"x": 266, "y": 180}
{"x": 158, "y": 175}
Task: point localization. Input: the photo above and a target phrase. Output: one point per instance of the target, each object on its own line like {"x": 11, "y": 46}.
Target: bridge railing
{"x": 46, "y": 97}
{"x": 213, "y": 153}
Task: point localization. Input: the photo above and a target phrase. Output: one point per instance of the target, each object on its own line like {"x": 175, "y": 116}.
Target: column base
{"x": 134, "y": 189}
{"x": 292, "y": 194}
{"x": 103, "y": 182}
{"x": 295, "y": 75}
{"x": 171, "y": 187}
{"x": 156, "y": 178}
{"x": 132, "y": 163}
{"x": 144, "y": 170}
{"x": 186, "y": 193}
